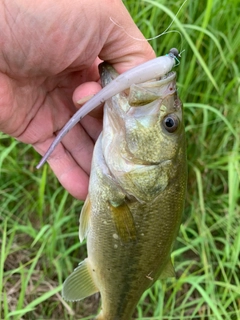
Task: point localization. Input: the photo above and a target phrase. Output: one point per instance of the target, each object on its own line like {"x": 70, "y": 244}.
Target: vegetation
{"x": 39, "y": 220}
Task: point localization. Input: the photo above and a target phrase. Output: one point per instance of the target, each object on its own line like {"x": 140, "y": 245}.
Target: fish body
{"x": 133, "y": 211}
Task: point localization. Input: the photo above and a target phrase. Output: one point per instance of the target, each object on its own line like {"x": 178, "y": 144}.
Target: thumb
{"x": 125, "y": 46}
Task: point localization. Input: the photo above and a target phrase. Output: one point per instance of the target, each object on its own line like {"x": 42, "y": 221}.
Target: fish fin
{"x": 84, "y": 219}
{"x": 124, "y": 222}
{"x": 168, "y": 271}
{"x": 79, "y": 284}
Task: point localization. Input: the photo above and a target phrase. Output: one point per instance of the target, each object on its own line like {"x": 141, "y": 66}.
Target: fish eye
{"x": 171, "y": 123}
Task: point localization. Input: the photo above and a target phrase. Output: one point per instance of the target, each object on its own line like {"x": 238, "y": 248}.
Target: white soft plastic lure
{"x": 152, "y": 69}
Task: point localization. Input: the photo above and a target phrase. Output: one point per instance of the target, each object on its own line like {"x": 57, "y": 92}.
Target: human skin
{"x": 49, "y": 52}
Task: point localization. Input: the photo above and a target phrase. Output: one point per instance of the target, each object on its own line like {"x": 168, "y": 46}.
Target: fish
{"x": 133, "y": 211}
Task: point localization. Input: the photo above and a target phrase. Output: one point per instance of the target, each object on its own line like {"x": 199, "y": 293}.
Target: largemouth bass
{"x": 133, "y": 211}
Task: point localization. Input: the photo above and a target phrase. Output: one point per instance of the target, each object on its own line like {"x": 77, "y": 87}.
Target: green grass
{"x": 39, "y": 220}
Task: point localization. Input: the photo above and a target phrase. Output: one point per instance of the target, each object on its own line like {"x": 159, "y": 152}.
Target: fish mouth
{"x": 146, "y": 92}
{"x": 155, "y": 84}
{"x": 170, "y": 76}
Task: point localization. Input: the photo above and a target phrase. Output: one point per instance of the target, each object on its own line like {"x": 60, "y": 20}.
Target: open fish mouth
{"x": 168, "y": 76}
{"x": 134, "y": 121}
{"x": 144, "y": 93}
{"x": 161, "y": 80}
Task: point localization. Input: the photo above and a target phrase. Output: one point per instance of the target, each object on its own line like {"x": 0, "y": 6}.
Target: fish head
{"x": 143, "y": 142}
{"x": 154, "y": 129}
{"x": 145, "y": 122}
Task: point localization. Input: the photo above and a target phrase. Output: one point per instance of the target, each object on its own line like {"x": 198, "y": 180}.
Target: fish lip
{"x": 156, "y": 82}
{"x": 167, "y": 77}
{"x": 169, "y": 74}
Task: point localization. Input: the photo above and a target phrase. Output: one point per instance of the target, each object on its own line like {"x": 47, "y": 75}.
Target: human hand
{"x": 49, "y": 53}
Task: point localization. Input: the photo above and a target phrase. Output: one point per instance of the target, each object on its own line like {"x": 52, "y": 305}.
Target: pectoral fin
{"x": 168, "y": 271}
{"x": 84, "y": 219}
{"x": 123, "y": 221}
{"x": 79, "y": 284}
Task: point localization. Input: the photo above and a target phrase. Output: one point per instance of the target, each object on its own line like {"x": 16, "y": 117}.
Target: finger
{"x": 125, "y": 45}
{"x": 72, "y": 177}
{"x": 85, "y": 92}
{"x": 71, "y": 160}
{"x": 80, "y": 146}
{"x": 92, "y": 123}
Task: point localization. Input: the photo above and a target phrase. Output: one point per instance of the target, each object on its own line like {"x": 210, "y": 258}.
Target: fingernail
{"x": 85, "y": 99}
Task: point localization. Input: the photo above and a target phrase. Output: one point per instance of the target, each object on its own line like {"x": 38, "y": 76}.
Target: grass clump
{"x": 39, "y": 220}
